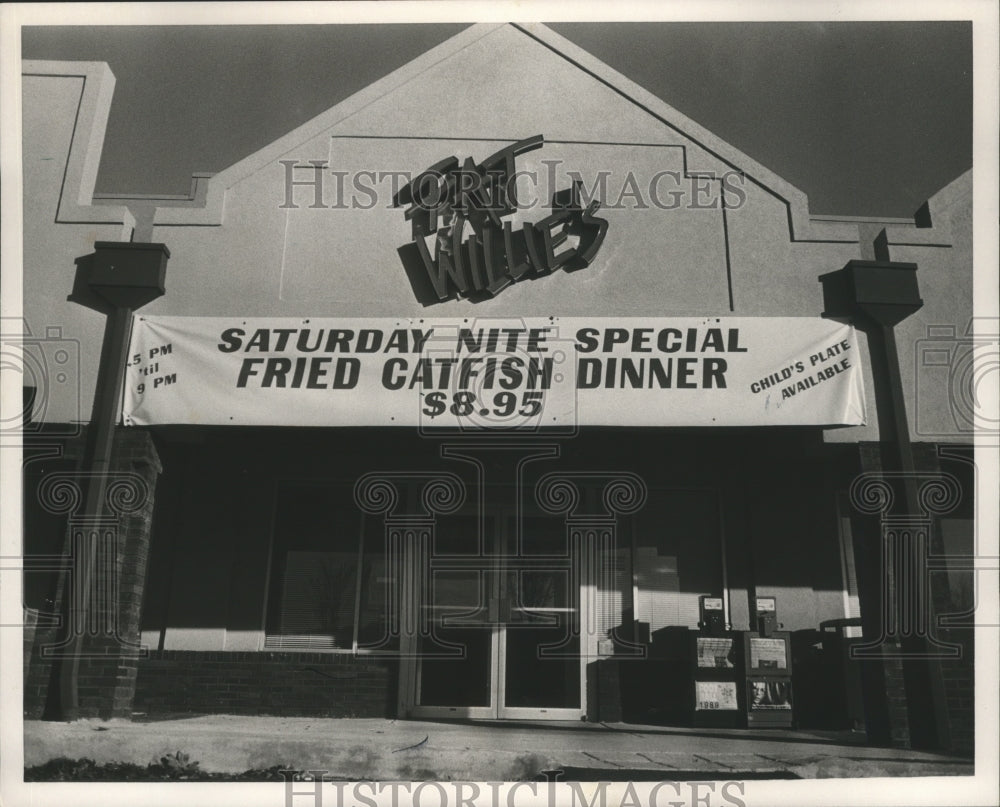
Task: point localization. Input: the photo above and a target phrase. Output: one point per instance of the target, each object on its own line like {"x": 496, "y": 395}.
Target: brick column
{"x": 111, "y": 634}
{"x": 901, "y": 632}
{"x": 892, "y": 726}
{"x": 958, "y": 674}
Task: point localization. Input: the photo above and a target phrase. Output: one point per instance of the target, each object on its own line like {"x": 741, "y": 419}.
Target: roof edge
{"x": 212, "y": 213}
{"x": 802, "y": 227}
{"x": 206, "y": 207}
{"x": 76, "y": 200}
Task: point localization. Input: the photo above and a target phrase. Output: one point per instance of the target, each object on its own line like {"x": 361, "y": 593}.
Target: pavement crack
{"x": 771, "y": 759}
{"x": 415, "y": 745}
{"x": 654, "y": 761}
{"x": 605, "y": 761}
{"x": 713, "y": 762}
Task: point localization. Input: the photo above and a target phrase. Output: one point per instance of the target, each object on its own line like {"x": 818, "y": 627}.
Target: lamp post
{"x": 115, "y": 280}
{"x": 879, "y": 295}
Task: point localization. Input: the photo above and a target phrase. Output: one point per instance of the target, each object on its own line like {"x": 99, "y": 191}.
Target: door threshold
{"x": 515, "y": 722}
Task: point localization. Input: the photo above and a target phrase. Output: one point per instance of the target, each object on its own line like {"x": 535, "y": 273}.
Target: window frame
{"x": 270, "y": 583}
{"x": 718, "y": 493}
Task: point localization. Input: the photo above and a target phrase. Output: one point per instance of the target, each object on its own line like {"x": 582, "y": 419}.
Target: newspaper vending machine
{"x": 767, "y": 661}
{"x": 716, "y": 669}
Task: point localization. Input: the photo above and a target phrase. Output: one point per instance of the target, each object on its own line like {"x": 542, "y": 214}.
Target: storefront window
{"x": 958, "y": 533}
{"x": 314, "y": 568}
{"x": 378, "y": 603}
{"x": 678, "y": 556}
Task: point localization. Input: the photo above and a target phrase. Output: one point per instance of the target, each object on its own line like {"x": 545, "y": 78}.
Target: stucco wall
{"x": 240, "y": 251}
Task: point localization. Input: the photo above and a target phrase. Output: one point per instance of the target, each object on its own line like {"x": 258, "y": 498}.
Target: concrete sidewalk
{"x": 407, "y": 750}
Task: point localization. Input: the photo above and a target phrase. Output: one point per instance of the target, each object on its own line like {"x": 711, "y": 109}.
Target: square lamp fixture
{"x": 128, "y": 275}
{"x": 884, "y": 291}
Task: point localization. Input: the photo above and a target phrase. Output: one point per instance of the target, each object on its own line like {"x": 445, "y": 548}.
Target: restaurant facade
{"x": 501, "y": 390}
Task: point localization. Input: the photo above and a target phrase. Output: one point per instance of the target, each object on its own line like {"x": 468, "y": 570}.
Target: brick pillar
{"x": 887, "y": 721}
{"x": 896, "y": 707}
{"x": 958, "y": 674}
{"x": 902, "y": 632}
{"x": 110, "y": 649}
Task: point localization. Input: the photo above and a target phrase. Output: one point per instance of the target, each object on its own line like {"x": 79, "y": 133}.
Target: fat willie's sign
{"x": 451, "y": 199}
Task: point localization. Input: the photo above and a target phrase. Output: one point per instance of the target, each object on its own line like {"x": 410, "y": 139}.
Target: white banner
{"x": 476, "y": 373}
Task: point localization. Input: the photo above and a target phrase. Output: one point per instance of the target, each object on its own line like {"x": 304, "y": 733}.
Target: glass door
{"x": 501, "y": 635}
{"x": 457, "y": 599}
{"x": 541, "y": 667}
{"x": 457, "y": 656}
